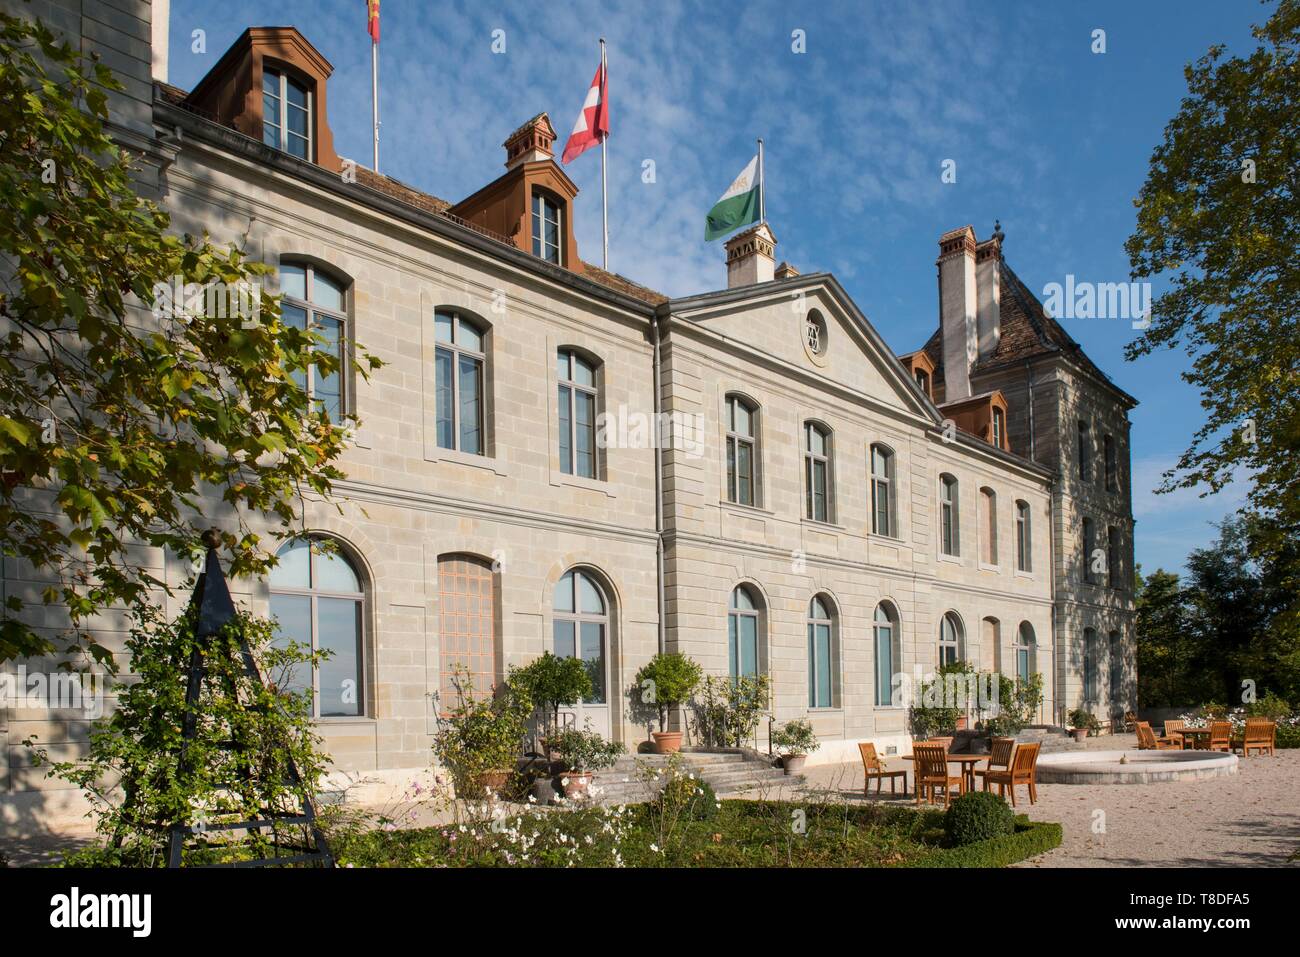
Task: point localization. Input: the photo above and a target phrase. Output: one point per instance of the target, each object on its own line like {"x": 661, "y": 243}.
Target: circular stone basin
{"x": 1139, "y": 767}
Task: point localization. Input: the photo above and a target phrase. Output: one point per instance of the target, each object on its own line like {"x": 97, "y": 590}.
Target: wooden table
{"x": 967, "y": 762}
{"x": 1195, "y": 734}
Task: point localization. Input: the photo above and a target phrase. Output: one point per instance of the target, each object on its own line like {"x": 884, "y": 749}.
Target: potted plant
{"x": 480, "y": 740}
{"x": 1082, "y": 723}
{"x": 664, "y": 682}
{"x": 552, "y": 683}
{"x": 794, "y": 741}
{"x": 580, "y": 754}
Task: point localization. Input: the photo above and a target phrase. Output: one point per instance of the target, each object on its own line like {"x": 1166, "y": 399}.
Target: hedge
{"x": 1030, "y": 839}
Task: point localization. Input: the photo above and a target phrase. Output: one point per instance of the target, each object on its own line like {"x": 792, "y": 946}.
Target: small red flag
{"x": 592, "y": 126}
{"x": 372, "y": 11}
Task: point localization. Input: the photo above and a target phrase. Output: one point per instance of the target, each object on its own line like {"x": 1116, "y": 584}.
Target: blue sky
{"x": 1047, "y": 136}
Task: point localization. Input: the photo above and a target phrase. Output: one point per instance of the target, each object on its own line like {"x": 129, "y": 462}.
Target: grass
{"x": 739, "y": 834}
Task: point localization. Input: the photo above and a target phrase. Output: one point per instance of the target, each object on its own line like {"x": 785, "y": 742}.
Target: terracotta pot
{"x": 1079, "y": 733}
{"x": 493, "y": 781}
{"x": 575, "y": 783}
{"x": 793, "y": 763}
{"x": 961, "y": 723}
{"x": 667, "y": 742}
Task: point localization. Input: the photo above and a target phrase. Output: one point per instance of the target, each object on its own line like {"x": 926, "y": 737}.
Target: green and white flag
{"x": 739, "y": 205}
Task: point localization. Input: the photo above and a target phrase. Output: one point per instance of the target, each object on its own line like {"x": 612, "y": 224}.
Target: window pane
{"x": 339, "y": 623}
{"x": 740, "y": 598}
{"x": 745, "y": 474}
{"x": 297, "y": 119}
{"x": 293, "y": 281}
{"x": 733, "y": 651}
{"x": 295, "y": 318}
{"x": 468, "y": 336}
{"x": 470, "y": 407}
{"x": 293, "y": 623}
{"x": 812, "y": 666}
{"x": 884, "y": 665}
{"x": 326, "y": 293}
{"x": 744, "y": 424}
{"x": 583, "y": 372}
{"x": 296, "y": 94}
{"x": 593, "y": 656}
{"x": 585, "y": 431}
{"x": 442, "y": 322}
{"x": 731, "y": 470}
{"x": 329, "y": 386}
{"x": 563, "y": 636}
{"x": 748, "y": 645}
{"x": 294, "y": 569}
{"x": 819, "y": 491}
{"x": 823, "y": 635}
{"x": 296, "y": 145}
{"x": 270, "y": 130}
{"x": 563, "y": 597}
{"x": 335, "y": 573}
{"x": 444, "y": 388}
{"x": 271, "y": 82}
{"x": 590, "y": 600}
{"x": 566, "y": 425}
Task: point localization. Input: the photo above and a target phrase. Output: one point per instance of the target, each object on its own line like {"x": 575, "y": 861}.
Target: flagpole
{"x": 374, "y": 94}
{"x": 762, "y": 186}
{"x": 604, "y": 191}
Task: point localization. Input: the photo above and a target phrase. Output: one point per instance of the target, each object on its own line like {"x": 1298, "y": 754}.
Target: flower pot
{"x": 490, "y": 785}
{"x": 793, "y": 763}
{"x": 1079, "y": 733}
{"x": 575, "y": 784}
{"x": 961, "y": 722}
{"x": 667, "y": 742}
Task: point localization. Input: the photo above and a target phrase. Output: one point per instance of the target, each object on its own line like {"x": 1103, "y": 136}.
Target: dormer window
{"x": 286, "y": 114}
{"x": 546, "y": 228}
{"x": 923, "y": 380}
{"x": 999, "y": 427}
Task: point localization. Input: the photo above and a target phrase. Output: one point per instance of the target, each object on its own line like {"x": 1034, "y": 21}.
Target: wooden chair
{"x": 1259, "y": 733}
{"x": 999, "y": 756}
{"x": 1220, "y": 736}
{"x": 1130, "y": 721}
{"x": 1172, "y": 727}
{"x": 1147, "y": 740}
{"x": 932, "y": 772}
{"x": 1023, "y": 770}
{"x": 873, "y": 767}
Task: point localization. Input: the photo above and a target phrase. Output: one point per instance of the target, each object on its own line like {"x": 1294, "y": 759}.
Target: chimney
{"x": 160, "y": 17}
{"x": 530, "y": 142}
{"x": 786, "y": 271}
{"x": 751, "y": 256}
{"x": 957, "y": 310}
{"x": 988, "y": 285}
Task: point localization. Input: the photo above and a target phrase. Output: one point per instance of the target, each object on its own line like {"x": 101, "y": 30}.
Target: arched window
{"x": 547, "y": 228}
{"x": 1118, "y": 693}
{"x": 989, "y": 525}
{"x": 949, "y": 540}
{"x": 467, "y": 623}
{"x": 823, "y": 655}
{"x": 814, "y": 330}
{"x": 578, "y": 403}
{"x": 1090, "y": 690}
{"x": 1086, "y": 541}
{"x": 1024, "y": 541}
{"x": 888, "y": 654}
{"x": 742, "y": 451}
{"x": 952, "y": 639}
{"x": 286, "y": 114}
{"x": 1025, "y": 651}
{"x": 459, "y": 361}
{"x": 818, "y": 475}
{"x": 312, "y": 299}
{"x": 318, "y": 601}
{"x": 743, "y": 633}
{"x": 1085, "y": 452}
{"x": 581, "y": 626}
{"x": 882, "y": 491}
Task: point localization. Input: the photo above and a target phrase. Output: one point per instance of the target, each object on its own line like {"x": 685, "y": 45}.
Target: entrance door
{"x": 581, "y": 630}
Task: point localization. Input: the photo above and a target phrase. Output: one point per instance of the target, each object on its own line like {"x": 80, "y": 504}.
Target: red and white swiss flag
{"x": 593, "y": 122}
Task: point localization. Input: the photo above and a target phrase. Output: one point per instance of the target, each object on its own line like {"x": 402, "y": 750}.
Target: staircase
{"x": 1052, "y": 739}
{"x": 727, "y": 772}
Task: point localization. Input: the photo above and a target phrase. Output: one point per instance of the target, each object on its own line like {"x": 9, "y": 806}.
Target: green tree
{"x": 1219, "y": 218}
{"x": 117, "y": 418}
{"x": 1162, "y": 640}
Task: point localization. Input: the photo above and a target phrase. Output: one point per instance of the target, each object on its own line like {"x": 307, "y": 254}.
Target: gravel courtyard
{"x": 1251, "y": 819}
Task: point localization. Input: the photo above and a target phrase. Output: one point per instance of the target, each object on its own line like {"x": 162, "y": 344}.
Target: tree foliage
{"x": 118, "y": 421}
{"x": 1219, "y": 218}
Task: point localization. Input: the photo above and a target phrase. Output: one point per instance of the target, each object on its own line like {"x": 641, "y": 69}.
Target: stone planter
{"x": 667, "y": 742}
{"x": 793, "y": 763}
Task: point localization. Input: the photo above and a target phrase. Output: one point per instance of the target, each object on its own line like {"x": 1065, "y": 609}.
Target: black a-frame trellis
{"x": 213, "y": 610}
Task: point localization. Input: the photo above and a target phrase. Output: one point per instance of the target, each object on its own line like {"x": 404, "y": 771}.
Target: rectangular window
{"x": 819, "y": 665}
{"x": 566, "y": 430}
{"x": 1023, "y": 544}
{"x": 445, "y": 389}
{"x": 884, "y": 665}
{"x": 471, "y": 413}
{"x": 948, "y": 515}
{"x": 816, "y": 490}
{"x": 546, "y": 229}
{"x": 1022, "y": 664}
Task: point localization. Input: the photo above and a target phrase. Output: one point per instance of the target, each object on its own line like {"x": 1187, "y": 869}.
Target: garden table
{"x": 967, "y": 762}
{"x": 1195, "y": 734}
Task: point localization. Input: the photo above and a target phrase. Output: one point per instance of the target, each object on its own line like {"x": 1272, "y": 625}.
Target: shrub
{"x": 689, "y": 797}
{"x": 551, "y": 682}
{"x": 795, "y": 737}
{"x": 978, "y": 816}
{"x": 585, "y": 750}
{"x": 727, "y": 710}
{"x": 1079, "y": 718}
{"x": 941, "y": 701}
{"x": 1269, "y": 706}
{"x": 480, "y": 735}
{"x": 665, "y": 681}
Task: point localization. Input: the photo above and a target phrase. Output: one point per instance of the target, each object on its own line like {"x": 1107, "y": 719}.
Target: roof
{"x": 409, "y": 195}
{"x": 1026, "y": 331}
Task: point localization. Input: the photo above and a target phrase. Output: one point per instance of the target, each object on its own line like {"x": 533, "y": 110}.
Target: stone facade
{"x": 407, "y": 502}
